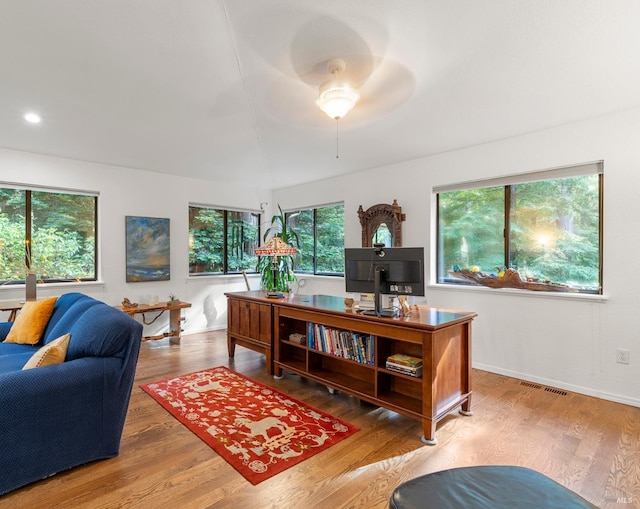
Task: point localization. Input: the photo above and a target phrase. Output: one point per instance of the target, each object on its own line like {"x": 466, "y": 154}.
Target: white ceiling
{"x": 225, "y": 89}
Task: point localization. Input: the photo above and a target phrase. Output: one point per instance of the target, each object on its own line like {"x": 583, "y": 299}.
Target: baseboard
{"x": 206, "y": 329}
{"x": 587, "y": 391}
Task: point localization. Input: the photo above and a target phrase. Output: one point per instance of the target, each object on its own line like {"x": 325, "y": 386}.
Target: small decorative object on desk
{"x": 405, "y": 364}
{"x": 404, "y": 305}
{"x": 126, "y": 303}
{"x": 348, "y": 303}
{"x": 507, "y": 278}
{"x": 173, "y": 299}
{"x": 298, "y": 338}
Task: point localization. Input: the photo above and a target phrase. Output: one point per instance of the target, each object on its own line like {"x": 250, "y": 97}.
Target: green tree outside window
{"x": 50, "y": 234}
{"x": 321, "y": 239}
{"x": 548, "y": 230}
{"x": 222, "y": 241}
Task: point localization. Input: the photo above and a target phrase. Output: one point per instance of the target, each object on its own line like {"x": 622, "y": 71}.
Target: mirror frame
{"x": 374, "y": 216}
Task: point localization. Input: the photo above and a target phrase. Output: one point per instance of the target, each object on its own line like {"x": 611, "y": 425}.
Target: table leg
{"x": 174, "y": 326}
{"x": 429, "y": 428}
{"x": 465, "y": 409}
{"x": 231, "y": 346}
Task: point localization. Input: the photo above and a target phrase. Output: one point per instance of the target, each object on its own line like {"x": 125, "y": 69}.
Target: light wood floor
{"x": 586, "y": 444}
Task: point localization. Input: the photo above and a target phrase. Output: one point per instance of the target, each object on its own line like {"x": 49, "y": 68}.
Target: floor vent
{"x": 556, "y": 391}
{"x": 529, "y": 384}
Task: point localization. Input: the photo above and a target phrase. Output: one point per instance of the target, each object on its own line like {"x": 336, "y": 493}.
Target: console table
{"x": 13, "y": 306}
{"x": 175, "y": 311}
{"x": 440, "y": 337}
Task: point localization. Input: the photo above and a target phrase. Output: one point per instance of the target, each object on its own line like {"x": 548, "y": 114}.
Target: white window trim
{"x": 591, "y": 168}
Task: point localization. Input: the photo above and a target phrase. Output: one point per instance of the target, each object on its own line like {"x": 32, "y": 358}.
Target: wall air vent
{"x": 547, "y": 389}
{"x": 555, "y": 391}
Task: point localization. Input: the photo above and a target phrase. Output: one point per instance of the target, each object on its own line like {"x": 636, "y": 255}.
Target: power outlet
{"x": 622, "y": 356}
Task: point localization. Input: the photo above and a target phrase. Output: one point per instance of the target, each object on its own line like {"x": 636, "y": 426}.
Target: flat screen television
{"x": 384, "y": 270}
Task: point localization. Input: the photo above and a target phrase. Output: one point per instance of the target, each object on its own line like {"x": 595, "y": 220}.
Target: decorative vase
{"x": 30, "y": 287}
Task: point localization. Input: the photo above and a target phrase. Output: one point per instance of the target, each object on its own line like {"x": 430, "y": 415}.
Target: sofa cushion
{"x": 89, "y": 337}
{"x": 84, "y": 319}
{"x": 67, "y": 311}
{"x": 31, "y": 322}
{"x": 51, "y": 353}
{"x": 15, "y": 361}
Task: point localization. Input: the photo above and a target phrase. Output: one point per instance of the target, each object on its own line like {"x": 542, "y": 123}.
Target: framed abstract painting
{"x": 148, "y": 255}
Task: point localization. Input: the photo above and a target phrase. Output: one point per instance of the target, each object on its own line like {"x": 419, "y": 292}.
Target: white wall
{"x": 128, "y": 192}
{"x": 554, "y": 339}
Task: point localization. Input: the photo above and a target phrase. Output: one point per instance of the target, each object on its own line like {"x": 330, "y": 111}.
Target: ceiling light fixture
{"x": 337, "y": 97}
{"x": 32, "y": 118}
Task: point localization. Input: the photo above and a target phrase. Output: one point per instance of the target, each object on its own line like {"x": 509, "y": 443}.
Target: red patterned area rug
{"x": 258, "y": 430}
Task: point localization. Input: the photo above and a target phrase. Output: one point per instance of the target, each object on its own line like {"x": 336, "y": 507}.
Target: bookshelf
{"x": 441, "y": 338}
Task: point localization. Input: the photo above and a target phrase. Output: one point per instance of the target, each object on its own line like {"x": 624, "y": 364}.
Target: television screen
{"x": 401, "y": 270}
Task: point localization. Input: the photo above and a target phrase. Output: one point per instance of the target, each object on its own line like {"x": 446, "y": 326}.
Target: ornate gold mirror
{"x": 382, "y": 223}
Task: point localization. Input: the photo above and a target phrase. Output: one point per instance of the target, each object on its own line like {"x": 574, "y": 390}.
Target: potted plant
{"x": 277, "y": 272}
{"x": 30, "y": 276}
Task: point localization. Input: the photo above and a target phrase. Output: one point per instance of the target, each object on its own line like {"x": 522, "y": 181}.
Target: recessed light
{"x": 33, "y": 118}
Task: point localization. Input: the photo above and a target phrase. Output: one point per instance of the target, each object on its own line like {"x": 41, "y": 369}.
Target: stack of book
{"x": 406, "y": 364}
{"x": 298, "y": 338}
{"x": 355, "y": 346}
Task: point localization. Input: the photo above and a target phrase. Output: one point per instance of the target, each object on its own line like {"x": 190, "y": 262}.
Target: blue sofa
{"x": 56, "y": 417}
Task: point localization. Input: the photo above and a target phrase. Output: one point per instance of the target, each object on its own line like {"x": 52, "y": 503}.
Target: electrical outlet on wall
{"x": 622, "y": 356}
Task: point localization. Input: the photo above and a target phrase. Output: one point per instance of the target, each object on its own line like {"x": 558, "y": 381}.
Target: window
{"x": 321, "y": 239}
{"x": 51, "y": 234}
{"x": 222, "y": 241}
{"x": 547, "y": 226}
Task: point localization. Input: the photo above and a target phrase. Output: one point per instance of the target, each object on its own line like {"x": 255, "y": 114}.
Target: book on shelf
{"x": 341, "y": 343}
{"x": 406, "y": 370}
{"x": 405, "y": 360}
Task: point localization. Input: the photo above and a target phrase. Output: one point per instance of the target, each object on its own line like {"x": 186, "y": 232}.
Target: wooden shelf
{"x": 342, "y": 359}
{"x": 293, "y": 344}
{"x": 293, "y": 364}
{"x": 416, "y": 379}
{"x": 402, "y": 402}
{"x": 446, "y": 366}
{"x": 344, "y": 382}
{"x": 441, "y": 338}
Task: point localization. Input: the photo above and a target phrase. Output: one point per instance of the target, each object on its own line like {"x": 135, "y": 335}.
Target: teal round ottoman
{"x": 485, "y": 487}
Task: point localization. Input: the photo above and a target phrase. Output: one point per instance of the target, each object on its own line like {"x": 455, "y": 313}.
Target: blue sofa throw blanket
{"x": 56, "y": 417}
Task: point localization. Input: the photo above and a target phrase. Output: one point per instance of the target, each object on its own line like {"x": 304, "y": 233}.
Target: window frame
{"x": 315, "y": 271}
{"x": 225, "y": 246}
{"x": 28, "y": 238}
{"x": 508, "y": 183}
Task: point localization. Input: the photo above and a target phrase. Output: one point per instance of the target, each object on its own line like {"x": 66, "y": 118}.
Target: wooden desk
{"x": 13, "y": 306}
{"x": 175, "y": 317}
{"x": 249, "y": 324}
{"x": 440, "y": 337}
